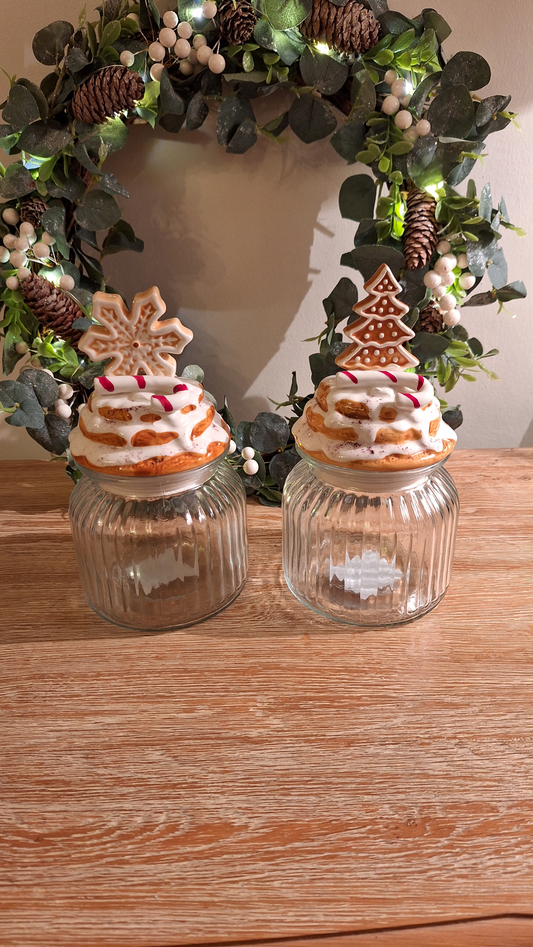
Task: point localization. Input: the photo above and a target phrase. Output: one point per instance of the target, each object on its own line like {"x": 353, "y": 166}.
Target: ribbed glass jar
{"x": 158, "y": 553}
{"x": 365, "y": 547}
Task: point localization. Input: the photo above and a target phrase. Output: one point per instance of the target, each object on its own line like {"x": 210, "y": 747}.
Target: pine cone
{"x": 420, "y": 236}
{"x": 52, "y": 307}
{"x": 112, "y": 90}
{"x": 32, "y": 210}
{"x": 349, "y": 29}
{"x": 237, "y": 21}
{"x": 430, "y": 320}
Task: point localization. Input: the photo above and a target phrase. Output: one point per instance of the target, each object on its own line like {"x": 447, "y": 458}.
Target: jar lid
{"x": 369, "y": 481}
{"x": 154, "y": 487}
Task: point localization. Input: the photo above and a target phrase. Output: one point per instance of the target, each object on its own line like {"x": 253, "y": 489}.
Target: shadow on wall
{"x": 527, "y": 440}
{"x": 228, "y": 241}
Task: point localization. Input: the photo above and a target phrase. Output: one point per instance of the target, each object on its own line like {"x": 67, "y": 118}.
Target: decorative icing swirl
{"x": 374, "y": 420}
{"x": 144, "y": 425}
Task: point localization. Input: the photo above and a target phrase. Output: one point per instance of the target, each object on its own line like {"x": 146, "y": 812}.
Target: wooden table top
{"x": 269, "y": 774}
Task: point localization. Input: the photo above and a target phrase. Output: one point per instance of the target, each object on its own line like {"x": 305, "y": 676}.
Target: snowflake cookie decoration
{"x": 136, "y": 342}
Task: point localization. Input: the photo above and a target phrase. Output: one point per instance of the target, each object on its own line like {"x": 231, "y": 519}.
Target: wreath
{"x": 372, "y": 80}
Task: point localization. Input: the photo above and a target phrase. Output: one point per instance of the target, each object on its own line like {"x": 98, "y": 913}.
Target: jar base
{"x": 368, "y": 620}
{"x": 159, "y": 629}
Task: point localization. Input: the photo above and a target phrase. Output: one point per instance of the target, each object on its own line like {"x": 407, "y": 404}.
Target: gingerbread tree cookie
{"x": 136, "y": 342}
{"x": 379, "y": 332}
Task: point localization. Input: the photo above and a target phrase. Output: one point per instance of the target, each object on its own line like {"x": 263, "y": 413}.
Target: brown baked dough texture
{"x": 424, "y": 458}
{"x": 157, "y": 466}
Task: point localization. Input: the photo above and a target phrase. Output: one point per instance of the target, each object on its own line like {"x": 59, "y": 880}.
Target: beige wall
{"x": 246, "y": 247}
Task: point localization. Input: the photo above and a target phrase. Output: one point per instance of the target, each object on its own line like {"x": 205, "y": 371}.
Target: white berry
{"x": 65, "y": 392}
{"x": 451, "y": 260}
{"x": 186, "y": 68}
{"x": 48, "y": 239}
{"x": 135, "y": 17}
{"x": 127, "y": 58}
{"x": 442, "y": 266}
{"x": 41, "y": 250}
{"x": 248, "y": 453}
{"x": 403, "y": 120}
{"x": 182, "y": 48}
{"x": 467, "y": 281}
{"x": 27, "y": 229}
{"x": 156, "y": 52}
{"x": 170, "y": 19}
{"x": 439, "y": 291}
{"x": 217, "y": 63}
{"x": 232, "y": 447}
{"x": 251, "y": 467}
{"x": 448, "y": 279}
{"x": 423, "y": 127}
{"x": 399, "y": 88}
{"x": 184, "y": 30}
{"x": 67, "y": 282}
{"x": 391, "y": 104}
{"x": 209, "y": 9}
{"x": 62, "y": 409}
{"x": 451, "y": 318}
{"x": 411, "y": 134}
{"x": 443, "y": 247}
{"x": 4, "y": 255}
{"x": 390, "y": 76}
{"x": 22, "y": 243}
{"x": 23, "y": 272}
{"x": 199, "y": 40}
{"x": 193, "y": 57}
{"x": 156, "y": 71}
{"x": 22, "y": 348}
{"x": 12, "y": 282}
{"x": 18, "y": 258}
{"x": 447, "y": 303}
{"x": 432, "y": 280}
{"x": 167, "y": 37}
{"x": 462, "y": 261}
{"x": 9, "y": 241}
{"x": 405, "y": 101}
{"x": 11, "y": 216}
{"x": 204, "y": 55}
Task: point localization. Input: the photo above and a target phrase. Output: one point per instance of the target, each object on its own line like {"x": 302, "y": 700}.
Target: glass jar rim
{"x": 370, "y": 481}
{"x": 160, "y": 485}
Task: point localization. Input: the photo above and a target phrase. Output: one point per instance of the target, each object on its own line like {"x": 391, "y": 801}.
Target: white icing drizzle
{"x": 137, "y": 402}
{"x": 411, "y": 396}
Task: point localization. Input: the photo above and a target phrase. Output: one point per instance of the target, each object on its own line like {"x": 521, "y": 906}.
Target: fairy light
{"x": 323, "y": 48}
{"x": 433, "y": 189}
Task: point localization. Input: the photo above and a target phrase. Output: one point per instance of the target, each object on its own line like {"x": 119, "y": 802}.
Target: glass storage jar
{"x": 366, "y": 547}
{"x": 158, "y": 553}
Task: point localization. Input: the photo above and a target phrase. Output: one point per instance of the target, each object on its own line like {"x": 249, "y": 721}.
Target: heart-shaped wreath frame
{"x": 373, "y": 81}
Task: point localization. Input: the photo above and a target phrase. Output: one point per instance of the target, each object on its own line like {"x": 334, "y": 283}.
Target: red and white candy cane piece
{"x": 376, "y": 379}
{"x": 171, "y": 402}
{"x": 126, "y": 384}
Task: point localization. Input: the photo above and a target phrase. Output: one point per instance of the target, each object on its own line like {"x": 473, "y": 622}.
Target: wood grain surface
{"x": 268, "y": 774}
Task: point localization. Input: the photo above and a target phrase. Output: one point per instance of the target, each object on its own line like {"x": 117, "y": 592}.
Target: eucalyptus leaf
{"x": 323, "y": 72}
{"x": 285, "y": 14}
{"x": 53, "y": 220}
{"x": 480, "y": 299}
{"x": 515, "y": 290}
{"x": 311, "y": 119}
{"x": 110, "y": 185}
{"x": 453, "y": 418}
{"x": 122, "y": 237}
{"x": 269, "y": 432}
{"x": 349, "y": 139}
{"x": 485, "y": 203}
{"x": 479, "y": 254}
{"x": 281, "y": 465}
{"x": 21, "y": 108}
{"x": 243, "y": 138}
{"x": 69, "y": 188}
{"x": 44, "y": 139}
{"x": 242, "y": 435}
{"x": 421, "y": 156}
{"x": 395, "y": 23}
{"x": 43, "y": 385}
{"x": 197, "y": 112}
{"x": 466, "y": 69}
{"x": 363, "y": 96}
{"x": 428, "y": 345}
{"x": 434, "y": 21}
{"x": 234, "y": 109}
{"x": 75, "y": 61}
{"x": 421, "y": 93}
{"x": 82, "y": 324}
{"x": 49, "y": 43}
{"x": 52, "y": 435}
{"x": 29, "y": 412}
{"x": 367, "y": 259}
{"x": 341, "y": 300}
{"x": 357, "y": 197}
{"x": 172, "y": 103}
{"x": 10, "y": 356}
{"x": 97, "y": 210}
{"x": 172, "y": 123}
{"x": 451, "y": 112}
{"x": 194, "y": 372}
{"x": 17, "y": 183}
{"x": 488, "y": 109}
{"x": 288, "y": 45}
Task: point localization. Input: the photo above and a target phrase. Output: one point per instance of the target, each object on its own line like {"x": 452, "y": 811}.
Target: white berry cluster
{"x": 450, "y": 271}
{"x": 397, "y": 104}
{"x": 25, "y": 248}
{"x": 61, "y": 408}
{"x": 250, "y": 465}
{"x": 192, "y": 51}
